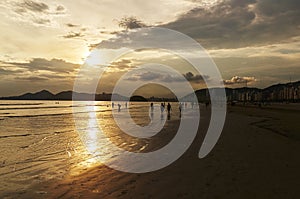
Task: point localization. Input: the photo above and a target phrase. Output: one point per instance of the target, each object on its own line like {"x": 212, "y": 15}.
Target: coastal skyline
{"x": 44, "y": 43}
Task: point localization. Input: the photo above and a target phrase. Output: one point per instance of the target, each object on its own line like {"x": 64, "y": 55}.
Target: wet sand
{"x": 257, "y": 156}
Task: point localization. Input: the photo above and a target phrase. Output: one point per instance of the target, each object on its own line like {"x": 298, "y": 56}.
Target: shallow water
{"x": 39, "y": 140}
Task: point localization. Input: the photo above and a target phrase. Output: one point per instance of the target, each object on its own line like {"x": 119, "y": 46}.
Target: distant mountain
{"x": 41, "y": 95}
{"x": 65, "y": 95}
{"x": 278, "y": 92}
{"x": 138, "y": 98}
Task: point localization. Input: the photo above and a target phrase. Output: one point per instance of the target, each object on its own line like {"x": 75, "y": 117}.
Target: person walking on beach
{"x": 169, "y": 108}
{"x": 112, "y": 105}
{"x": 151, "y": 110}
{"x": 119, "y": 107}
{"x": 151, "y": 106}
{"x": 169, "y": 111}
{"x": 180, "y": 108}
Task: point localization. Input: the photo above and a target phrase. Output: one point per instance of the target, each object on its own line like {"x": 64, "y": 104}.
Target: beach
{"x": 257, "y": 156}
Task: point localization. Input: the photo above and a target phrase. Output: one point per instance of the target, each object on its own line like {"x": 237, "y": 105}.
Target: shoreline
{"x": 250, "y": 160}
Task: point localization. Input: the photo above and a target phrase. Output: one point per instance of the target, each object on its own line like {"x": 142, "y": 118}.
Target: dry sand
{"x": 257, "y": 156}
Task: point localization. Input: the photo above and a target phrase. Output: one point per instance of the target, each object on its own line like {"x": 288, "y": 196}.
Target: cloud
{"x": 33, "y": 11}
{"x": 194, "y": 78}
{"x": 33, "y": 6}
{"x": 71, "y": 35}
{"x": 145, "y": 38}
{"x": 41, "y": 64}
{"x": 239, "y": 80}
{"x": 71, "y": 25}
{"x": 122, "y": 65}
{"x": 6, "y": 71}
{"x": 240, "y": 23}
{"x": 154, "y": 76}
{"x": 36, "y": 74}
{"x": 31, "y": 78}
{"x": 148, "y": 76}
{"x": 60, "y": 8}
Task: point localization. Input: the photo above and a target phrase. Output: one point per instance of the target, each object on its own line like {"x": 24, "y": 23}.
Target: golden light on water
{"x": 92, "y": 137}
{"x": 90, "y": 132}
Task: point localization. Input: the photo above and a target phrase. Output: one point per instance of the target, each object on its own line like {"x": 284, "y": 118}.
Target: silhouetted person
{"x": 180, "y": 108}
{"x": 119, "y": 107}
{"x": 112, "y": 105}
{"x": 169, "y": 108}
{"x": 125, "y": 104}
{"x": 151, "y": 106}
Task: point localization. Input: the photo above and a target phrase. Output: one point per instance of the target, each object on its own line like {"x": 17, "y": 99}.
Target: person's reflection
{"x": 162, "y": 116}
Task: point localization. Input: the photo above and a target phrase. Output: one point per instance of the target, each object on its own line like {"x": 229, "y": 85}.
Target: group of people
{"x": 163, "y": 106}
{"x": 119, "y": 105}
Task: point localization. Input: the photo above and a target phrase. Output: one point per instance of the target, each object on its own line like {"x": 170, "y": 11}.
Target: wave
{"x": 54, "y": 114}
{"x": 13, "y": 136}
{"x": 30, "y": 134}
{"x": 48, "y": 107}
{"x": 21, "y": 104}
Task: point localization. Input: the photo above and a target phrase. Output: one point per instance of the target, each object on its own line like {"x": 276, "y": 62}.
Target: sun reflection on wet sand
{"x": 92, "y": 131}
{"x": 102, "y": 139}
{"x": 89, "y": 132}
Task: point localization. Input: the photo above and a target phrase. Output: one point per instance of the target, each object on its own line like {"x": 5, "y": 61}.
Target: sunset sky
{"x": 44, "y": 43}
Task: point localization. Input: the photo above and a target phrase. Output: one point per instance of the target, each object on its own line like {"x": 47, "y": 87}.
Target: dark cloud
{"x": 42, "y": 21}
{"x": 148, "y": 76}
{"x": 122, "y": 64}
{"x": 273, "y": 8}
{"x": 154, "y": 76}
{"x": 34, "y": 11}
{"x": 71, "y": 35}
{"x": 150, "y": 38}
{"x": 110, "y": 32}
{"x": 31, "y": 78}
{"x": 54, "y": 65}
{"x": 60, "y": 8}
{"x": 194, "y": 78}
{"x": 4, "y": 71}
{"x": 34, "y": 6}
{"x": 239, "y": 80}
{"x": 240, "y": 23}
{"x": 71, "y": 25}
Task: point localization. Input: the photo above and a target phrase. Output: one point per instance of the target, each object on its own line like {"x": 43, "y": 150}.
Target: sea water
{"x": 39, "y": 140}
